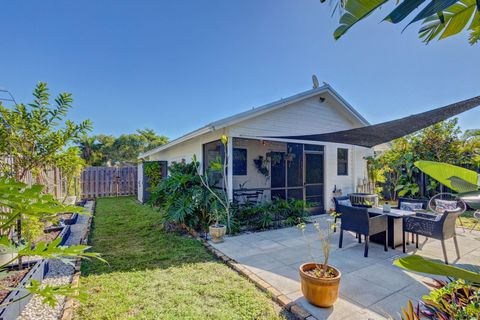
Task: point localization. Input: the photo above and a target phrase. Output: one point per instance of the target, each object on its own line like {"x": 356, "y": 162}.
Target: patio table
{"x": 395, "y": 225}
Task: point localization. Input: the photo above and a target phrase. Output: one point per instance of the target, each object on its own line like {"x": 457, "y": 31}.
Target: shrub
{"x": 183, "y": 199}
{"x": 269, "y": 214}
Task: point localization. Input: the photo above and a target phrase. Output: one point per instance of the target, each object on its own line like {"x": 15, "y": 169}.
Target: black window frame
{"x": 240, "y": 170}
{"x": 342, "y": 164}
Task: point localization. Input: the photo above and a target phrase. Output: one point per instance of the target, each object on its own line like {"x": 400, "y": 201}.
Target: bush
{"x": 453, "y": 300}
{"x": 269, "y": 214}
{"x": 183, "y": 199}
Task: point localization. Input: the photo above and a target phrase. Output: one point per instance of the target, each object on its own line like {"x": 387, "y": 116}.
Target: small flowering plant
{"x": 325, "y": 235}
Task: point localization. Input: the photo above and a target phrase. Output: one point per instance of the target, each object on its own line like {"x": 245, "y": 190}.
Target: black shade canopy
{"x": 370, "y": 136}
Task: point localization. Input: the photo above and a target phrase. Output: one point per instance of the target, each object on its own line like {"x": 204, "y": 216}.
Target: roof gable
{"x": 246, "y": 115}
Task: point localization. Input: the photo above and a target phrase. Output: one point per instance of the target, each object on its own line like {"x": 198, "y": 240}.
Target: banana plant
{"x": 420, "y": 264}
{"x": 439, "y": 18}
{"x": 459, "y": 179}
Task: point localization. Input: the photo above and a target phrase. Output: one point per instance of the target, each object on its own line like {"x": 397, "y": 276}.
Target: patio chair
{"x": 405, "y": 204}
{"x": 358, "y": 220}
{"x": 344, "y": 200}
{"x": 440, "y": 228}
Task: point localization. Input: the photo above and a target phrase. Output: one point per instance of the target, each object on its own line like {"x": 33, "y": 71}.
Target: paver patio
{"x": 370, "y": 288}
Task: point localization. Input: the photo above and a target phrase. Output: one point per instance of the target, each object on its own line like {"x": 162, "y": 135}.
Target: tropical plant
{"x": 153, "y": 171}
{"x": 71, "y": 165}
{"x": 33, "y": 135}
{"x": 268, "y": 214}
{"x": 22, "y": 200}
{"x": 458, "y": 298}
{"x": 439, "y": 18}
{"x": 219, "y": 166}
{"x": 182, "y": 198}
{"x": 440, "y": 143}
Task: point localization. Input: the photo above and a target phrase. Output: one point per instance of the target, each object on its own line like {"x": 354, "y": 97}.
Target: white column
{"x": 230, "y": 168}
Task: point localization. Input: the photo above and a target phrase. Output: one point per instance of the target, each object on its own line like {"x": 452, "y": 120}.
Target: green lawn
{"x": 157, "y": 275}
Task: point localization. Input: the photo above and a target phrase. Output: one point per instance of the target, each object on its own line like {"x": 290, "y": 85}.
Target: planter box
{"x": 71, "y": 220}
{"x": 13, "y": 310}
{"x": 64, "y": 233}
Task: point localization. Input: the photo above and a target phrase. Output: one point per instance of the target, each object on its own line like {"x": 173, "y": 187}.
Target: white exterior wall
{"x": 308, "y": 116}
{"x": 186, "y": 150}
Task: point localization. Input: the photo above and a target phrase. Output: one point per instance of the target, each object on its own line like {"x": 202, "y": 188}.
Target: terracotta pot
{"x": 320, "y": 292}
{"x": 217, "y": 232}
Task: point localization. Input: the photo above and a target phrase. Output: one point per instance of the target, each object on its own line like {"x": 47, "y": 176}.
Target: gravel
{"x": 59, "y": 273}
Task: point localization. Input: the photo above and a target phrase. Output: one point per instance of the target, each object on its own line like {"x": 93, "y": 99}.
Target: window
{"x": 239, "y": 162}
{"x": 342, "y": 162}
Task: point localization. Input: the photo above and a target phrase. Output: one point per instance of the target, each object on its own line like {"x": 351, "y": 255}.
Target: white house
{"x": 264, "y": 166}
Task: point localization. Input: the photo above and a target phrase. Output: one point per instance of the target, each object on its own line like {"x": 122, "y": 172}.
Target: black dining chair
{"x": 358, "y": 220}
{"x": 337, "y": 201}
{"x": 440, "y": 228}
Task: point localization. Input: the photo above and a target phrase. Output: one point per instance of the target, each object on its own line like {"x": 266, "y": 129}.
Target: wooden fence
{"x": 51, "y": 178}
{"x": 109, "y": 182}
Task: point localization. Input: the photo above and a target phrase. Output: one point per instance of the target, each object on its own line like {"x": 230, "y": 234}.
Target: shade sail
{"x": 370, "y": 136}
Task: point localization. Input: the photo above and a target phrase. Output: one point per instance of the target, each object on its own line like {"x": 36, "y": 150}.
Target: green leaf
{"x": 403, "y": 10}
{"x": 355, "y": 10}
{"x": 452, "y": 21}
{"x": 420, "y": 264}
{"x": 446, "y": 173}
{"x": 459, "y": 18}
{"x": 432, "y": 8}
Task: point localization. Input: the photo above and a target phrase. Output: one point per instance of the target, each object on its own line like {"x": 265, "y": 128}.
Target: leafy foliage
{"x": 71, "y": 165}
{"x": 267, "y": 214}
{"x": 395, "y": 169}
{"x": 33, "y": 135}
{"x": 420, "y": 264}
{"x": 29, "y": 202}
{"x": 453, "y": 300}
{"x": 444, "y": 173}
{"x": 101, "y": 149}
{"x": 440, "y": 18}
{"x": 153, "y": 170}
{"x": 182, "y": 197}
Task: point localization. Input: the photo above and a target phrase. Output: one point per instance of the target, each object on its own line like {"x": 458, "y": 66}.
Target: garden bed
{"x": 69, "y": 218}
{"x": 17, "y": 299}
{"x": 53, "y": 233}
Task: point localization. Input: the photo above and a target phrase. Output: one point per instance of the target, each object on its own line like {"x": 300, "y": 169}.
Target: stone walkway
{"x": 370, "y": 288}
{"x": 58, "y": 273}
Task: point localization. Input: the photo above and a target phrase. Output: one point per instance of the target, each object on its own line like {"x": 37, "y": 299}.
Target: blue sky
{"x": 176, "y": 65}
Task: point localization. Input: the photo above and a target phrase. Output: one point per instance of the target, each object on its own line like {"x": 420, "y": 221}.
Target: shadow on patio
{"x": 371, "y": 288}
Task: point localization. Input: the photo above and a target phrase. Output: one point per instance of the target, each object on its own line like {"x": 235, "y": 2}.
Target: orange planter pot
{"x": 320, "y": 292}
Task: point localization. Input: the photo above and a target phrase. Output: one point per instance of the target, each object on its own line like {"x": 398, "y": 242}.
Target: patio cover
{"x": 370, "y": 136}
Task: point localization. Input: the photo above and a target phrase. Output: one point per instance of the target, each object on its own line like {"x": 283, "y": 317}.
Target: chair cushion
{"x": 411, "y": 206}
{"x": 445, "y": 205}
{"x": 345, "y": 202}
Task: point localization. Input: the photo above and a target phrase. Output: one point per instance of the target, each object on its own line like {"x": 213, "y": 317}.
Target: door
{"x": 314, "y": 181}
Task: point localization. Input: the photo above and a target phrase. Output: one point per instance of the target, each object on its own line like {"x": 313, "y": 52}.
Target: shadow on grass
{"x": 131, "y": 238}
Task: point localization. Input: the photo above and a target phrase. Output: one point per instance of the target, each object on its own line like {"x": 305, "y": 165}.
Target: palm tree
{"x": 88, "y": 146}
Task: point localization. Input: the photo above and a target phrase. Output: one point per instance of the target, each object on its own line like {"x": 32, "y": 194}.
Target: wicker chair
{"x": 440, "y": 228}
{"x": 359, "y": 221}
{"x": 336, "y": 200}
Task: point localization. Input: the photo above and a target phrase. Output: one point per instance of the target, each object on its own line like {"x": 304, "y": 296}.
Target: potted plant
{"x": 221, "y": 203}
{"x": 320, "y": 281}
{"x": 217, "y": 230}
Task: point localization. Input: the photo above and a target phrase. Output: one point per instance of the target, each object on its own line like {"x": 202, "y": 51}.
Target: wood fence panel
{"x": 109, "y": 182}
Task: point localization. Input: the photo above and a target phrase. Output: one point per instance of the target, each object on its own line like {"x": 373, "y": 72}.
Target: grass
{"x": 469, "y": 221}
{"x": 157, "y": 275}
